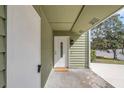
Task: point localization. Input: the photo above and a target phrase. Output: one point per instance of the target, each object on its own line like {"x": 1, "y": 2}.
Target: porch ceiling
{"x": 61, "y": 17}
{"x": 77, "y": 17}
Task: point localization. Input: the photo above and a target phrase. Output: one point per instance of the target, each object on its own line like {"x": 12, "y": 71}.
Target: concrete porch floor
{"x": 76, "y": 78}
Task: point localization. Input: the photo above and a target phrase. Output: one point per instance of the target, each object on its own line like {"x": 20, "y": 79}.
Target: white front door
{"x": 61, "y": 45}
{"x": 23, "y": 47}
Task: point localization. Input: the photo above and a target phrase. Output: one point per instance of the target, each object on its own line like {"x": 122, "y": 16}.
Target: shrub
{"x": 93, "y": 55}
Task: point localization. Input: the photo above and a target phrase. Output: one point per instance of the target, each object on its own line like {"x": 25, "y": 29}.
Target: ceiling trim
{"x": 61, "y": 30}
{"x": 77, "y": 16}
{"x": 60, "y": 22}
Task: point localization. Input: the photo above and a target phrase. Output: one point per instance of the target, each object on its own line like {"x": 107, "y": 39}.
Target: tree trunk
{"x": 122, "y": 50}
{"x": 115, "y": 55}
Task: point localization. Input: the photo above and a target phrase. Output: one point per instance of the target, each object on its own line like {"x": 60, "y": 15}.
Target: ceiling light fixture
{"x": 94, "y": 20}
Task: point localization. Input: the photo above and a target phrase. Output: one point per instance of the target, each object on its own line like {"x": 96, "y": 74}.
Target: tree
{"x": 107, "y": 35}
{"x": 122, "y": 40}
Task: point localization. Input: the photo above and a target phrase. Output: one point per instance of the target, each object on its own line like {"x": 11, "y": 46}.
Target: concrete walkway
{"x": 76, "y": 78}
{"x": 112, "y": 73}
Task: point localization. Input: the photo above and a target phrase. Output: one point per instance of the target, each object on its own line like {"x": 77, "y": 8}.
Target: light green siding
{"x": 2, "y": 11}
{"x": 2, "y": 61}
{"x": 79, "y": 51}
{"x": 2, "y": 46}
{"x": 2, "y": 79}
{"x": 2, "y": 27}
{"x": 46, "y": 46}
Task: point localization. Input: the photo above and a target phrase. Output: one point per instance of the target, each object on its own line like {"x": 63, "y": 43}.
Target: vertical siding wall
{"x": 78, "y": 52}
{"x": 2, "y": 45}
{"x": 47, "y": 46}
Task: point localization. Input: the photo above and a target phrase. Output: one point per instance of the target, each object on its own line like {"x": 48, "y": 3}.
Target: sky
{"x": 121, "y": 12}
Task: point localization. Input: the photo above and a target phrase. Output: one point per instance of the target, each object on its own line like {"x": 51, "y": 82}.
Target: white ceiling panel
{"x": 62, "y": 17}
{"x": 61, "y": 13}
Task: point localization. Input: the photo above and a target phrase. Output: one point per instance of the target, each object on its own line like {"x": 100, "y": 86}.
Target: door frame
{"x": 68, "y": 45}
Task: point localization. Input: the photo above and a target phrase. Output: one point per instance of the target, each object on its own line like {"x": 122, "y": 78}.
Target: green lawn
{"x": 107, "y": 61}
